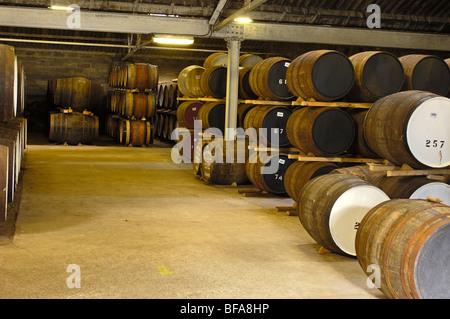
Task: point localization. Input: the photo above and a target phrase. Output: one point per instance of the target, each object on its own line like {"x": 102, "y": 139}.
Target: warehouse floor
{"x": 140, "y": 226}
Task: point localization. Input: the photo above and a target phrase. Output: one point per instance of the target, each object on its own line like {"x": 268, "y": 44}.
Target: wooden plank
{"x": 418, "y": 172}
{"x": 333, "y": 104}
{"x": 3, "y": 182}
{"x": 379, "y": 167}
{"x": 337, "y": 159}
{"x": 265, "y": 102}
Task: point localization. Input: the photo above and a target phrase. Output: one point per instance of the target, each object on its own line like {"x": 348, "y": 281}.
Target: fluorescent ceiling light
{"x": 243, "y": 20}
{"x": 172, "y": 40}
{"x": 63, "y": 8}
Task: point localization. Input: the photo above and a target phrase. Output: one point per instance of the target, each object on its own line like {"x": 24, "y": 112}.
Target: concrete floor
{"x": 140, "y": 226}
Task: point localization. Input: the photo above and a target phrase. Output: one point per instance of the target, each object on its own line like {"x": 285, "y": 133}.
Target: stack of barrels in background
{"x": 167, "y": 105}
{"x": 132, "y": 103}
{"x": 76, "y": 99}
{"x": 13, "y": 127}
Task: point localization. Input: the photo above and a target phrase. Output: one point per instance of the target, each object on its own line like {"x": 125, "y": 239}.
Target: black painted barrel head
{"x": 241, "y": 118}
{"x": 276, "y": 80}
{"x": 333, "y": 75}
{"x": 432, "y": 273}
{"x": 383, "y": 74}
{"x": 275, "y": 177}
{"x": 431, "y": 74}
{"x": 275, "y": 123}
{"x": 217, "y": 82}
{"x": 245, "y": 85}
{"x": 216, "y": 117}
{"x": 333, "y": 131}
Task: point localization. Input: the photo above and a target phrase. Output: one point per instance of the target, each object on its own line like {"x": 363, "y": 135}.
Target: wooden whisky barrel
{"x": 333, "y": 205}
{"x": 216, "y": 59}
{"x": 224, "y": 163}
{"x": 377, "y": 74}
{"x": 320, "y": 130}
{"x": 138, "y": 105}
{"x": 189, "y": 81}
{"x": 414, "y": 187}
{"x": 448, "y": 63}
{"x": 212, "y": 115}
{"x": 249, "y": 60}
{"x": 361, "y": 171}
{"x": 135, "y": 132}
{"x": 426, "y": 73}
{"x": 77, "y": 93}
{"x": 187, "y": 113}
{"x": 245, "y": 90}
{"x": 171, "y": 95}
{"x": 242, "y": 111}
{"x": 324, "y": 75}
{"x": 418, "y": 132}
{"x": 300, "y": 173}
{"x": 408, "y": 240}
{"x": 359, "y": 145}
{"x": 140, "y": 76}
{"x": 274, "y": 168}
{"x": 214, "y": 82}
{"x": 73, "y": 128}
{"x": 161, "y": 95}
{"x": 8, "y": 102}
{"x": 268, "y": 79}
{"x": 273, "y": 120}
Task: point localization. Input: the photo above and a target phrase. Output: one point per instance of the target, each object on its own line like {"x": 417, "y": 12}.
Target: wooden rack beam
{"x": 337, "y": 159}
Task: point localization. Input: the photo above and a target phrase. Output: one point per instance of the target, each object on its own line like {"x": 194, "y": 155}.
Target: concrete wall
{"x": 42, "y": 65}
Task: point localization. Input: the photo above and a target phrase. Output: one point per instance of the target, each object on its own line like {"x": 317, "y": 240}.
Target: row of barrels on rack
{"x": 76, "y": 93}
{"x": 417, "y": 134}
{"x": 132, "y": 104}
{"x": 129, "y": 132}
{"x": 13, "y": 142}
{"x": 167, "y": 95}
{"x": 211, "y": 79}
{"x": 12, "y": 84}
{"x": 323, "y": 75}
{"x": 165, "y": 123}
{"x": 139, "y": 76}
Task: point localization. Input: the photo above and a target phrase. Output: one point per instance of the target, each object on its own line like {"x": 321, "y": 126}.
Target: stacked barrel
{"x": 132, "y": 103}
{"x": 13, "y": 127}
{"x": 76, "y": 99}
{"x": 167, "y": 105}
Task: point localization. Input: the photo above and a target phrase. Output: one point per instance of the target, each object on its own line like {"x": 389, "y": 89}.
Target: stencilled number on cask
{"x": 434, "y": 143}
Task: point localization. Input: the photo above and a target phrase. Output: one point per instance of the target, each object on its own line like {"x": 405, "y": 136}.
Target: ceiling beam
{"x": 244, "y": 10}
{"x": 102, "y": 22}
{"x": 346, "y": 36}
{"x": 146, "y": 24}
{"x": 217, "y": 12}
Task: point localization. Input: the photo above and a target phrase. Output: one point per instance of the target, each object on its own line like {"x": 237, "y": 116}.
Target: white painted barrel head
{"x": 438, "y": 190}
{"x": 251, "y": 60}
{"x": 348, "y": 211}
{"x": 220, "y": 60}
{"x": 428, "y": 132}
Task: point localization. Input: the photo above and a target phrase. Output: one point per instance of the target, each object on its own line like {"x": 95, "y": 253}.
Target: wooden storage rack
{"x": 293, "y": 153}
{"x": 298, "y": 102}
